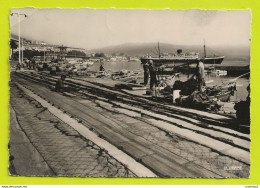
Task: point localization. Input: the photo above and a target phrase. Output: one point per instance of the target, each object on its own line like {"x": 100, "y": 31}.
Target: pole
{"x": 19, "y": 34}
{"x": 19, "y": 48}
{"x": 205, "y": 55}
{"x": 234, "y": 79}
{"x": 159, "y": 50}
{"x": 22, "y": 51}
{"x": 44, "y": 54}
{"x": 214, "y": 64}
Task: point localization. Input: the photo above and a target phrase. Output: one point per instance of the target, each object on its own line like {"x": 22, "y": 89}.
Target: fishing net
{"x": 187, "y": 87}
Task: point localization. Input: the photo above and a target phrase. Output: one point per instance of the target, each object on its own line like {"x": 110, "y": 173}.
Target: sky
{"x": 98, "y": 28}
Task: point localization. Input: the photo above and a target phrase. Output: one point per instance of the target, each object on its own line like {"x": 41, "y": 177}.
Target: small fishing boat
{"x": 218, "y": 72}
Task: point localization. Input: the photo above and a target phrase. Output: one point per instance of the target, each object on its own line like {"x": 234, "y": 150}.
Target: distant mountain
{"x": 14, "y": 37}
{"x": 141, "y": 49}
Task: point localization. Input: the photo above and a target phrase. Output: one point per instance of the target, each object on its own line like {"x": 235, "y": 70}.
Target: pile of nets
{"x": 199, "y": 100}
{"x": 187, "y": 88}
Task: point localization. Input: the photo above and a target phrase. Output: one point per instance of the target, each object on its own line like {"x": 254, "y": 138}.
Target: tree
{"x": 29, "y": 54}
{"x": 13, "y": 45}
{"x": 99, "y": 55}
{"x": 76, "y": 53}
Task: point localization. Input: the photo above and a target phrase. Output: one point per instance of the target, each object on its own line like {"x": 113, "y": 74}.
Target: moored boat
{"x": 182, "y": 58}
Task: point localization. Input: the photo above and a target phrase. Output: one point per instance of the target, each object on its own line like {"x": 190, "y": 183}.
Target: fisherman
{"x": 29, "y": 64}
{"x": 248, "y": 96}
{"x": 26, "y": 61}
{"x": 18, "y": 66}
{"x": 33, "y": 63}
{"x": 146, "y": 72}
{"x": 152, "y": 71}
{"x": 101, "y": 68}
{"x": 53, "y": 70}
{"x": 200, "y": 75}
{"x": 243, "y": 109}
{"x": 60, "y": 86}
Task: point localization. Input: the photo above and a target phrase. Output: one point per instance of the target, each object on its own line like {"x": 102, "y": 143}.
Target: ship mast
{"x": 205, "y": 55}
{"x": 159, "y": 50}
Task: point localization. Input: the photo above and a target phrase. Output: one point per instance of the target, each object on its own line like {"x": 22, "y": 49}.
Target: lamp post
{"x": 19, "y": 33}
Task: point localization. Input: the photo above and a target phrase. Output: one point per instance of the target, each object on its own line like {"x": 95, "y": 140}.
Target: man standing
{"x": 33, "y": 64}
{"x": 200, "y": 75}
{"x": 146, "y": 72}
{"x": 53, "y": 70}
{"x": 152, "y": 71}
{"x": 60, "y": 86}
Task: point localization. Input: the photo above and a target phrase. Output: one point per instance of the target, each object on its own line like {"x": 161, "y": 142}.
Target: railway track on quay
{"x": 170, "y": 141}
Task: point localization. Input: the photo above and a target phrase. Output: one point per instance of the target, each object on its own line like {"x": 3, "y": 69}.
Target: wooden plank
{"x": 69, "y": 94}
{"x": 167, "y": 167}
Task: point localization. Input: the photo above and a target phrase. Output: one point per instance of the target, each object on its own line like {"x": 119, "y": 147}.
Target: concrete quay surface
{"x": 165, "y": 153}
{"x": 58, "y": 148}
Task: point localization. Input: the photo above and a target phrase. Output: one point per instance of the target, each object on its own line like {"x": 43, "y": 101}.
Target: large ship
{"x": 182, "y": 58}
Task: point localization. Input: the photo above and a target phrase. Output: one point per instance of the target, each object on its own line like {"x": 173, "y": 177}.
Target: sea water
{"x": 242, "y": 83}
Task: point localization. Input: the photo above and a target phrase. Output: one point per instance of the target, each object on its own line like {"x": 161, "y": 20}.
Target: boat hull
{"x": 165, "y": 61}
{"x": 174, "y": 61}
{"x": 213, "y": 60}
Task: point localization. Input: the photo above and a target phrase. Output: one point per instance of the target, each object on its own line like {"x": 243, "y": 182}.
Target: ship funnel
{"x": 179, "y": 51}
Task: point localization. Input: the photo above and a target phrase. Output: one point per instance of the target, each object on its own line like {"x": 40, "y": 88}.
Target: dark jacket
{"x": 59, "y": 85}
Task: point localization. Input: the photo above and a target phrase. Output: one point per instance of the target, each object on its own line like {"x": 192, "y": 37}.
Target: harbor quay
{"x": 100, "y": 128}
{"x": 129, "y": 93}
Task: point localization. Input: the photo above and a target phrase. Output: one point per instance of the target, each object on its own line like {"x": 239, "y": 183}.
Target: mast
{"x": 44, "y": 54}
{"x": 159, "y": 50}
{"x": 205, "y": 55}
{"x": 22, "y": 50}
{"x": 214, "y": 63}
{"x": 19, "y": 35}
